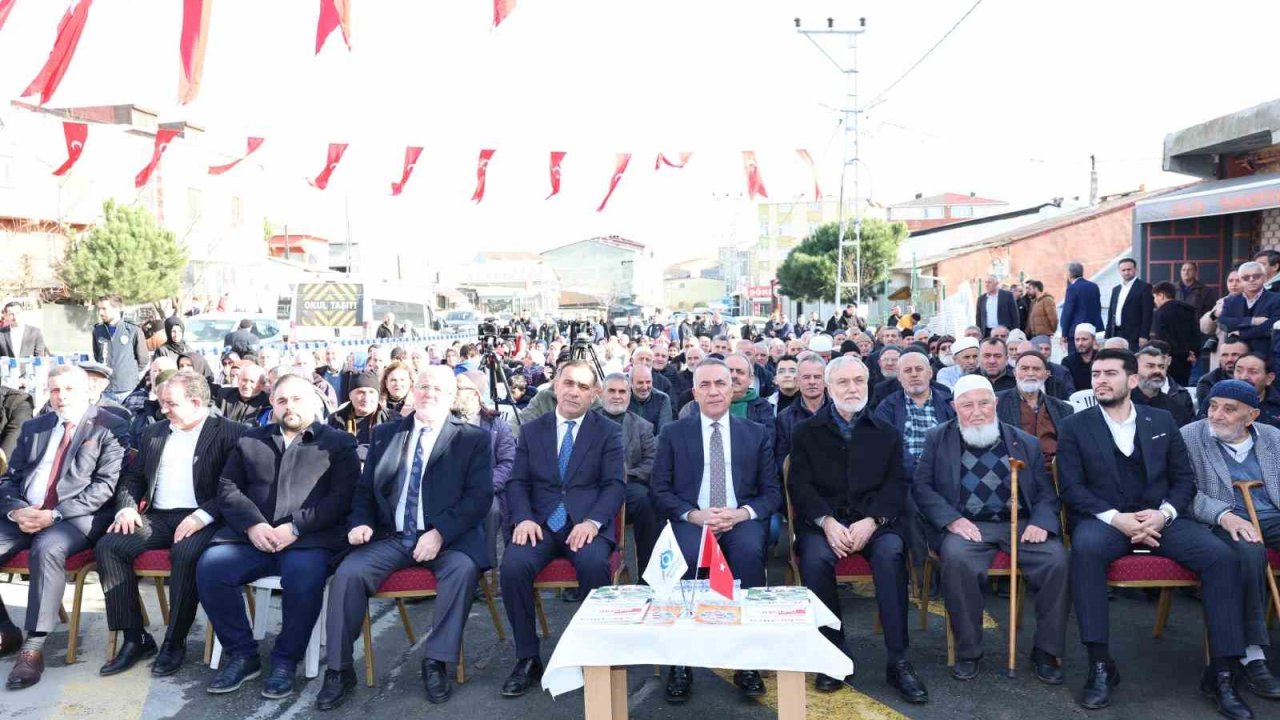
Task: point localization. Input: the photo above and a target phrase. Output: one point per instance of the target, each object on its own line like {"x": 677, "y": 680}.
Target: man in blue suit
{"x": 1082, "y": 304}
{"x": 566, "y": 488}
{"x": 1127, "y": 482}
{"x": 1253, "y": 312}
{"x": 422, "y": 499}
{"x": 716, "y": 470}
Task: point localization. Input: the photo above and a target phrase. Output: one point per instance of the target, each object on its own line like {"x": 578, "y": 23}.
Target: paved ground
{"x": 1160, "y": 676}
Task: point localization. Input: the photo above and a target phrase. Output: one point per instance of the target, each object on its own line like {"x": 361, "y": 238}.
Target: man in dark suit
{"x": 962, "y": 485}
{"x": 16, "y": 407}
{"x": 17, "y": 339}
{"x": 1129, "y": 314}
{"x": 242, "y": 340}
{"x": 1128, "y": 484}
{"x": 1029, "y": 408}
{"x": 850, "y": 496}
{"x": 1176, "y": 323}
{"x": 284, "y": 495}
{"x": 717, "y": 471}
{"x": 566, "y": 488}
{"x": 1081, "y": 304}
{"x": 996, "y": 307}
{"x": 56, "y": 500}
{"x": 641, "y": 446}
{"x": 167, "y": 499}
{"x": 422, "y": 500}
{"x": 1251, "y": 314}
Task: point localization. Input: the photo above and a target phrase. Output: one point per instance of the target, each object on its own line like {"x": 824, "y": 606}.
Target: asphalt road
{"x": 1160, "y": 675}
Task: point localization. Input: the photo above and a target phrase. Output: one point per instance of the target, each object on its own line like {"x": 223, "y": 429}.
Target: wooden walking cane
{"x": 1244, "y": 486}
{"x": 1014, "y": 466}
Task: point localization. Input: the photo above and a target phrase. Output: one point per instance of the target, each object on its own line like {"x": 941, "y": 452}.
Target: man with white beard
{"x": 962, "y": 486}
{"x": 1029, "y": 408}
{"x": 964, "y": 356}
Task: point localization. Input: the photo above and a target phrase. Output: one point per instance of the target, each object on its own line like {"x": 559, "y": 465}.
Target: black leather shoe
{"x": 234, "y": 674}
{"x": 826, "y": 683}
{"x": 749, "y": 682}
{"x": 902, "y": 676}
{"x": 338, "y": 684}
{"x": 526, "y": 672}
{"x": 129, "y": 655}
{"x": 436, "y": 679}
{"x": 679, "y": 685}
{"x": 1097, "y": 689}
{"x": 1048, "y": 672}
{"x": 10, "y": 639}
{"x": 966, "y": 669}
{"x": 1260, "y": 681}
{"x": 571, "y": 595}
{"x": 279, "y": 682}
{"x": 1221, "y": 688}
{"x": 169, "y": 661}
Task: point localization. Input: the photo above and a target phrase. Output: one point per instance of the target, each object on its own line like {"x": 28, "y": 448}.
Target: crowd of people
{"x": 896, "y": 443}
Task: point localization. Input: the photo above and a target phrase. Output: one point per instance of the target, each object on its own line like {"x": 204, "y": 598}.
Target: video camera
{"x": 490, "y": 333}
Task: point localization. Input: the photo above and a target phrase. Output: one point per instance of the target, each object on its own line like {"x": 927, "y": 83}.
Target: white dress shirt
{"x": 1123, "y": 434}
{"x": 175, "y": 475}
{"x": 704, "y": 490}
{"x": 993, "y": 310}
{"x": 1124, "y": 295}
{"x": 38, "y": 482}
{"x": 427, "y": 440}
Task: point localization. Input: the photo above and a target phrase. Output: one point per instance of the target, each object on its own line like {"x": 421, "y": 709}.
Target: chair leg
{"x": 62, "y": 615}
{"x": 927, "y": 571}
{"x": 146, "y": 616}
{"x": 408, "y": 624}
{"x": 493, "y": 606}
{"x": 73, "y": 642}
{"x": 162, "y": 599}
{"x": 248, "y": 596}
{"x": 460, "y": 672}
{"x": 208, "y": 641}
{"x": 1162, "y": 610}
{"x": 951, "y": 640}
{"x": 875, "y": 625}
{"x": 1022, "y": 596}
{"x": 368, "y": 648}
{"x": 261, "y": 619}
{"x": 542, "y": 616}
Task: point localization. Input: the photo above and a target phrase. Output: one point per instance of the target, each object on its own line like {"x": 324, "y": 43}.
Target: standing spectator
{"x": 1174, "y": 322}
{"x": 242, "y": 340}
{"x": 1129, "y": 314}
{"x": 16, "y": 407}
{"x": 1042, "y": 311}
{"x": 1270, "y": 261}
{"x": 1082, "y": 304}
{"x": 996, "y": 307}
{"x": 174, "y": 338}
{"x": 1024, "y": 299}
{"x": 18, "y": 339}
{"x": 388, "y": 327}
{"x": 1253, "y": 312}
{"x": 1193, "y": 292}
{"x": 120, "y": 345}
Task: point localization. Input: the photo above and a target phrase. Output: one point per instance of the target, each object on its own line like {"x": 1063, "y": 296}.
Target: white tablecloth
{"x": 734, "y": 647}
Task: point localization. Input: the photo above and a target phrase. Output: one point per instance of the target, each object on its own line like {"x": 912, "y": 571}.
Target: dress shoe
{"x": 10, "y": 639}
{"x": 526, "y": 672}
{"x": 435, "y": 677}
{"x": 1221, "y": 688}
{"x": 129, "y": 655}
{"x": 172, "y": 655}
{"x": 279, "y": 683}
{"x": 966, "y": 669}
{"x": 1260, "y": 681}
{"x": 679, "y": 685}
{"x": 901, "y": 676}
{"x": 749, "y": 682}
{"x": 827, "y": 684}
{"x": 338, "y": 684}
{"x": 234, "y": 674}
{"x": 27, "y": 671}
{"x": 1047, "y": 670}
{"x": 1097, "y": 689}
{"x": 571, "y": 595}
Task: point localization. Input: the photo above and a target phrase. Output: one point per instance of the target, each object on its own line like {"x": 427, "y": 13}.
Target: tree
{"x": 126, "y": 254}
{"x": 809, "y": 272}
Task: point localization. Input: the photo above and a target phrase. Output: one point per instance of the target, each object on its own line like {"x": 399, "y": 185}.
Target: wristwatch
{"x": 881, "y": 521}
{"x": 57, "y": 516}
{"x": 1168, "y": 516}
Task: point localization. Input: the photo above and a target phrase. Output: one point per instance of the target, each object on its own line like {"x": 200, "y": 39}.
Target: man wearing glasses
{"x": 1253, "y": 312}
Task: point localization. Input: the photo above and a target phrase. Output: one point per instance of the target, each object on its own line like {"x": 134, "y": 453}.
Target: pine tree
{"x": 127, "y": 254}
{"x": 809, "y": 272}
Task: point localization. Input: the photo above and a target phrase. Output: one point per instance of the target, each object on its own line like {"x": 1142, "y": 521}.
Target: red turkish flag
{"x": 163, "y": 138}
{"x": 331, "y": 163}
{"x": 76, "y": 134}
{"x": 333, "y": 14}
{"x": 254, "y": 144}
{"x": 662, "y": 159}
{"x": 64, "y": 47}
{"x": 191, "y": 47}
{"x": 710, "y": 556}
{"x": 813, "y": 170}
{"x": 623, "y": 159}
{"x": 501, "y": 9}
{"x": 556, "y": 158}
{"x": 482, "y": 170}
{"x": 5, "y": 7}
{"x": 411, "y": 154}
{"x": 755, "y": 183}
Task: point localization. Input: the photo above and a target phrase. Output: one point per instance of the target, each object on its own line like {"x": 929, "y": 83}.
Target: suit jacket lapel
{"x": 155, "y": 448}
{"x": 1105, "y": 443}
{"x": 1142, "y": 438}
{"x": 694, "y": 439}
{"x": 1221, "y": 474}
{"x": 446, "y": 432}
{"x": 391, "y": 466}
{"x": 581, "y": 442}
{"x": 952, "y": 450}
{"x": 739, "y": 462}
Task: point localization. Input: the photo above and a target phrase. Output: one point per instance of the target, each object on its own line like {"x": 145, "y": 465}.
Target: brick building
{"x": 921, "y": 212}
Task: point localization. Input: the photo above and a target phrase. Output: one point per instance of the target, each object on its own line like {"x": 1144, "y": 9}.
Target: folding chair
{"x": 78, "y": 567}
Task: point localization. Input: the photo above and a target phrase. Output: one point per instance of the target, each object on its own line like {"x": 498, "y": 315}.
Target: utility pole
{"x": 849, "y": 155}
{"x": 1093, "y": 180}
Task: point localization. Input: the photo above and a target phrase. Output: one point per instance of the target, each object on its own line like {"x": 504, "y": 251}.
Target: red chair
{"x": 559, "y": 573}
{"x": 1000, "y": 567}
{"x": 78, "y": 567}
{"x": 1143, "y": 570}
{"x": 153, "y": 564}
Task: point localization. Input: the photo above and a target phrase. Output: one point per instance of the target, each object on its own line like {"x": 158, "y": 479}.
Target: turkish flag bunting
{"x": 254, "y": 144}
{"x": 333, "y": 14}
{"x": 755, "y": 183}
{"x": 5, "y": 7}
{"x": 623, "y": 159}
{"x": 482, "y": 169}
{"x": 664, "y": 160}
{"x": 331, "y": 163}
{"x": 410, "y": 162}
{"x": 710, "y": 556}
{"x": 501, "y": 9}
{"x": 813, "y": 170}
{"x": 163, "y": 138}
{"x": 556, "y": 158}
{"x": 64, "y": 47}
{"x": 76, "y": 134}
{"x": 191, "y": 46}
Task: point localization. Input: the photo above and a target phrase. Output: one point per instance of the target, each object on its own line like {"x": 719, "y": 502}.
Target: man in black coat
{"x": 1152, "y": 379}
{"x": 1176, "y": 323}
{"x": 16, "y": 339}
{"x": 284, "y": 495}
{"x": 1029, "y": 408}
{"x": 16, "y": 407}
{"x": 1253, "y": 313}
{"x": 1129, "y": 314}
{"x": 242, "y": 340}
{"x": 167, "y": 499}
{"x": 996, "y": 307}
{"x": 849, "y": 494}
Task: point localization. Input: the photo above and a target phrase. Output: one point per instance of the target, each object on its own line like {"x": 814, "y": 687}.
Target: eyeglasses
{"x": 1251, "y": 276}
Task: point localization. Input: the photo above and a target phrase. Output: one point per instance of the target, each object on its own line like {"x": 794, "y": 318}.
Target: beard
{"x": 1151, "y": 385}
{"x": 982, "y": 436}
{"x": 293, "y": 421}
{"x": 850, "y": 408}
{"x": 1232, "y": 434}
{"x": 946, "y": 359}
{"x": 1030, "y": 386}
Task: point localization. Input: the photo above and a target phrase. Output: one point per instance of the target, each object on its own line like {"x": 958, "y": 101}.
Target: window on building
{"x": 906, "y": 213}
{"x": 764, "y": 227}
{"x": 933, "y": 212}
{"x": 195, "y": 204}
{"x": 962, "y": 211}
{"x": 237, "y": 211}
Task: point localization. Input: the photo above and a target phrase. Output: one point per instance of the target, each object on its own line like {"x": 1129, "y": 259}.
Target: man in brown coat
{"x": 1043, "y": 318}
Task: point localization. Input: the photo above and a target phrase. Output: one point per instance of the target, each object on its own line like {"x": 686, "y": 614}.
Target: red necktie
{"x": 51, "y": 494}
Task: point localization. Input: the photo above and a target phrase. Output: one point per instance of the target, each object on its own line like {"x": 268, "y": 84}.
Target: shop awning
{"x": 1217, "y": 197}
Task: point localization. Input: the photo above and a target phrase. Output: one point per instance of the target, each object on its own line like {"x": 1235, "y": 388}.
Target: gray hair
{"x": 1251, "y": 265}
{"x": 840, "y": 363}
{"x": 809, "y": 356}
{"x": 193, "y": 385}
{"x": 616, "y": 377}
{"x": 69, "y": 370}
{"x": 1075, "y": 270}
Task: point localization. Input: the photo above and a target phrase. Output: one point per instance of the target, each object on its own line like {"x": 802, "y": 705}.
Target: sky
{"x": 1009, "y": 106}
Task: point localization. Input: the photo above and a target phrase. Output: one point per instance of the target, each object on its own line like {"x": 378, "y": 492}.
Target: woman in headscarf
{"x": 195, "y": 361}
{"x": 174, "y": 340}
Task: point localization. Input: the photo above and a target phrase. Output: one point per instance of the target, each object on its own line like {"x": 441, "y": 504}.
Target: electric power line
{"x": 924, "y": 57}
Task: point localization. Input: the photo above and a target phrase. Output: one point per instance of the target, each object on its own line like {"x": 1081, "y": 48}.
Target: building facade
{"x": 613, "y": 268}
{"x": 922, "y": 212}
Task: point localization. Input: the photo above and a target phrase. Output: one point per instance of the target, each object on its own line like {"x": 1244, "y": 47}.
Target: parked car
{"x": 207, "y": 330}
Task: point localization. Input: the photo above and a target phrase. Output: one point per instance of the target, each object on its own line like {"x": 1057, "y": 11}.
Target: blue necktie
{"x": 560, "y": 516}
{"x": 415, "y": 489}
